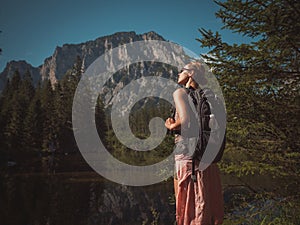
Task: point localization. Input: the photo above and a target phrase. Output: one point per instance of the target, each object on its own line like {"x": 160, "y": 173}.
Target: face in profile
{"x": 183, "y": 76}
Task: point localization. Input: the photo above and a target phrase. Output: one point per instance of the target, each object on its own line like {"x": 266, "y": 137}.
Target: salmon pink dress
{"x": 200, "y": 202}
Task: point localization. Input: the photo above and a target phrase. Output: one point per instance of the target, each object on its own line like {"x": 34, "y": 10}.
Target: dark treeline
{"x": 38, "y": 120}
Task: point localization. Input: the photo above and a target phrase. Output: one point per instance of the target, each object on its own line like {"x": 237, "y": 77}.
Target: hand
{"x": 168, "y": 122}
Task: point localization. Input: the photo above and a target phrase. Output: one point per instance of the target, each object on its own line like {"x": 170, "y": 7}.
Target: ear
{"x": 191, "y": 73}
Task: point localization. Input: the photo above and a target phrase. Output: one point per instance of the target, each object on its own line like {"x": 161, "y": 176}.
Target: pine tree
{"x": 11, "y": 113}
{"x": 4, "y": 112}
{"x": 33, "y": 126}
{"x": 59, "y": 115}
{"x": 101, "y": 121}
{"x": 67, "y": 88}
{"x": 12, "y": 86}
{"x": 14, "y": 127}
{"x": 25, "y": 95}
{"x": 47, "y": 103}
{"x": 260, "y": 79}
{"x": 27, "y": 89}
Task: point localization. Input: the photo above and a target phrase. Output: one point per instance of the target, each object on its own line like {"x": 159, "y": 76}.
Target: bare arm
{"x": 181, "y": 104}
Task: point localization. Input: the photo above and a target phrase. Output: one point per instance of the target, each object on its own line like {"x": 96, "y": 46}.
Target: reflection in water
{"x": 82, "y": 198}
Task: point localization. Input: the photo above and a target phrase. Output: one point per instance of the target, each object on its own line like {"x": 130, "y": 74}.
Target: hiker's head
{"x": 192, "y": 73}
{"x": 183, "y": 75}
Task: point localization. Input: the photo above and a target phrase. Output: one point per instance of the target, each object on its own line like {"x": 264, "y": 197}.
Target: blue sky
{"x": 32, "y": 29}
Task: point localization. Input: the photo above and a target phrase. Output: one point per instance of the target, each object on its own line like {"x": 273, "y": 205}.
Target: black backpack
{"x": 212, "y": 123}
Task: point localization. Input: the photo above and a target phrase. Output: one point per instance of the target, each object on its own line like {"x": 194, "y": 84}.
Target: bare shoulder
{"x": 180, "y": 93}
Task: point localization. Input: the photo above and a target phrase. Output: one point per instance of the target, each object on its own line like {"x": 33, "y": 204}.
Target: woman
{"x": 199, "y": 202}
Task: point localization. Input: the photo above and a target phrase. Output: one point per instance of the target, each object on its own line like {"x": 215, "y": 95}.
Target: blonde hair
{"x": 199, "y": 72}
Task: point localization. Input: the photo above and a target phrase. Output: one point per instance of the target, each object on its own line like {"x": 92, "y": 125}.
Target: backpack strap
{"x": 199, "y": 100}
{"x": 193, "y": 176}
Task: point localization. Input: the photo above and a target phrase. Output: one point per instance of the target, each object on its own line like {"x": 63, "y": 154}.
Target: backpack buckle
{"x": 194, "y": 177}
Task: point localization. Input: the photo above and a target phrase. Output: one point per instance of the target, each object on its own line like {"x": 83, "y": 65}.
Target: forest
{"x": 260, "y": 83}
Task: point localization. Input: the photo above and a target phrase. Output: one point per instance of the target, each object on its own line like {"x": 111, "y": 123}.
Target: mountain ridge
{"x": 64, "y": 57}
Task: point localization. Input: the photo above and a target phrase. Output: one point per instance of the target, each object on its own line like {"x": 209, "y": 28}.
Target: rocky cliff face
{"x": 63, "y": 58}
{"x": 22, "y": 67}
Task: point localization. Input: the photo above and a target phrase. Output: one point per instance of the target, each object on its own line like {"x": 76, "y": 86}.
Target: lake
{"x": 84, "y": 197}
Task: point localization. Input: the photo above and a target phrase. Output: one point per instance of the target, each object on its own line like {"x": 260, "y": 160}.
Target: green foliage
{"x": 49, "y": 126}
{"x": 139, "y": 119}
{"x": 265, "y": 209}
{"x": 155, "y": 219}
{"x": 14, "y": 126}
{"x": 15, "y": 100}
{"x": 63, "y": 96}
{"x": 260, "y": 82}
{"x": 101, "y": 121}
{"x": 32, "y": 118}
{"x": 33, "y": 125}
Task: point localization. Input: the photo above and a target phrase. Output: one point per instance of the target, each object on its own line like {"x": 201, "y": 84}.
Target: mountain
{"x": 22, "y": 66}
{"x": 63, "y": 58}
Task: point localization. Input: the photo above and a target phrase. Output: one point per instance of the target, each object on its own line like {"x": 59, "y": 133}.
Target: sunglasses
{"x": 183, "y": 69}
